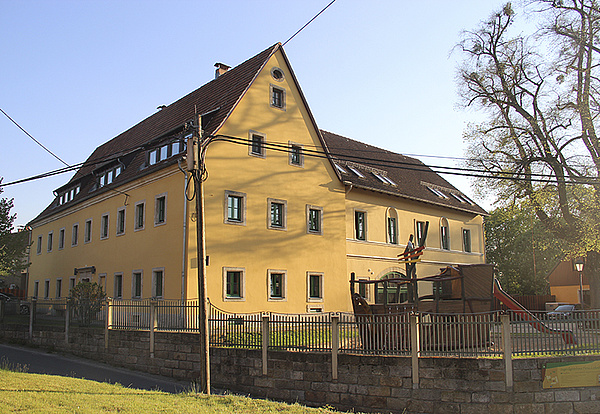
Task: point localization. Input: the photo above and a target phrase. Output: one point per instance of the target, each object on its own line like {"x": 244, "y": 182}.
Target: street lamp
{"x": 579, "y": 267}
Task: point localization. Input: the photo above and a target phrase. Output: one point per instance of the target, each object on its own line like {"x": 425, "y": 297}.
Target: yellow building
{"x": 290, "y": 210}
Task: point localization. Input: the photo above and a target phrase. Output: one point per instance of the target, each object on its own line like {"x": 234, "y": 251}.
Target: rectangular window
{"x": 315, "y": 286}
{"x": 276, "y": 284}
{"x": 104, "y": 227}
{"x": 71, "y": 284}
{"x": 74, "y": 234}
{"x": 296, "y": 157}
{"x": 277, "y": 97}
{"x": 467, "y": 240}
{"x": 257, "y": 145}
{"x": 50, "y": 241}
{"x": 160, "y": 210}
{"x": 102, "y": 281}
{"x": 46, "y": 288}
{"x": 118, "y": 292}
{"x": 314, "y": 217}
{"x": 420, "y": 232}
{"x": 61, "y": 239}
{"x": 136, "y": 284}
{"x": 121, "y": 221}
{"x": 139, "y": 215}
{"x": 39, "y": 245}
{"x": 158, "y": 283}
{"x": 36, "y": 288}
{"x": 234, "y": 283}
{"x": 87, "y": 236}
{"x": 360, "y": 225}
{"x": 363, "y": 290}
{"x": 58, "y": 288}
{"x": 235, "y": 208}
{"x": 392, "y": 228}
{"x": 277, "y": 214}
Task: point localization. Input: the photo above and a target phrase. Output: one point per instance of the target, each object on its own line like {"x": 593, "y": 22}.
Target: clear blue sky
{"x": 77, "y": 73}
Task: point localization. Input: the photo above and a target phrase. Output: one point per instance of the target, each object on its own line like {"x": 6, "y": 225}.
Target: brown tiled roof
{"x": 409, "y": 177}
{"x": 219, "y": 97}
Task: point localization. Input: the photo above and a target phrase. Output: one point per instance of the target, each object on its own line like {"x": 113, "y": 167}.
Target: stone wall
{"x": 365, "y": 383}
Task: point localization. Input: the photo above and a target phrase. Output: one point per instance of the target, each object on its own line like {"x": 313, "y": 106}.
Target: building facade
{"x": 290, "y": 210}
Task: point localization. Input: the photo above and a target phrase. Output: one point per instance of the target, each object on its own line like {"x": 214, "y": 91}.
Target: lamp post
{"x": 579, "y": 267}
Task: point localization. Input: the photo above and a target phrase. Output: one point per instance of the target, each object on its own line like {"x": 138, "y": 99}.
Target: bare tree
{"x": 539, "y": 142}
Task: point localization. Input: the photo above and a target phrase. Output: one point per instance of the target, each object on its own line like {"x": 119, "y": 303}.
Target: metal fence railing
{"x": 462, "y": 335}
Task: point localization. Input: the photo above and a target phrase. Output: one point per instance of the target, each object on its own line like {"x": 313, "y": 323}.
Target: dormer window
{"x": 68, "y": 195}
{"x": 165, "y": 151}
{"x": 106, "y": 177}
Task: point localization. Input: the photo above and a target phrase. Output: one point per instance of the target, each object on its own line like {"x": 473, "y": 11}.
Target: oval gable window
{"x": 277, "y": 74}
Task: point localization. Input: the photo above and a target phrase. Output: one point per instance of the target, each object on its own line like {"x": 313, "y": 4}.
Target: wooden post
{"x": 67, "y": 320}
{"x": 335, "y": 344}
{"x": 108, "y": 324}
{"x": 265, "y": 340}
{"x": 415, "y": 347}
{"x": 32, "y": 316}
{"x": 507, "y": 349}
{"x": 152, "y": 326}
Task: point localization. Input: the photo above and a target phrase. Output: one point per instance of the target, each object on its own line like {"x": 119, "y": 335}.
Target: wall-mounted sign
{"x": 572, "y": 374}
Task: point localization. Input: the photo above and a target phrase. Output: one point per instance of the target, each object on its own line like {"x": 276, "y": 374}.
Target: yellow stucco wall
{"x": 253, "y": 247}
{"x": 374, "y": 257}
{"x": 567, "y": 294}
{"x": 146, "y": 249}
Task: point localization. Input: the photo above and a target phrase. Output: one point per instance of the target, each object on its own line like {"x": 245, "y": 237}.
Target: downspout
{"x": 184, "y": 252}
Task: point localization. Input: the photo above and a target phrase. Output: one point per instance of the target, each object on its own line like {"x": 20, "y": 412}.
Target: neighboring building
{"x": 565, "y": 283}
{"x": 290, "y": 210}
{"x": 15, "y": 281}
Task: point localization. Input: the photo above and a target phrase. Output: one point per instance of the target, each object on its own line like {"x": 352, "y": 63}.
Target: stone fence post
{"x": 265, "y": 340}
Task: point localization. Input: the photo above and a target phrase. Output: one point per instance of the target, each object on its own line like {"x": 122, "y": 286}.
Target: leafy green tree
{"x": 13, "y": 246}
{"x": 86, "y": 300}
{"x": 522, "y": 249}
{"x": 541, "y": 97}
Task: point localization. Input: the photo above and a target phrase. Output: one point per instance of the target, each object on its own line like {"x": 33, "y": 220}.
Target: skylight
{"x": 355, "y": 171}
{"x": 340, "y": 169}
{"x": 461, "y": 198}
{"x": 437, "y": 192}
{"x": 384, "y": 179}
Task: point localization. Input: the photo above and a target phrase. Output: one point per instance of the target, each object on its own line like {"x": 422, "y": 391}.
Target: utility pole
{"x": 196, "y": 166}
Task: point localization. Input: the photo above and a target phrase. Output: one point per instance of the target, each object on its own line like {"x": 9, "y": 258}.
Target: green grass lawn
{"x": 33, "y": 393}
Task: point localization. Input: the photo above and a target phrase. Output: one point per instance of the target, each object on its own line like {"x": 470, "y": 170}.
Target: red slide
{"x": 527, "y": 316}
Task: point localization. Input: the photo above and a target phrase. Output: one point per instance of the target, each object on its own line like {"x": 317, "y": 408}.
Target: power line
{"x": 309, "y": 22}
{"x": 35, "y": 140}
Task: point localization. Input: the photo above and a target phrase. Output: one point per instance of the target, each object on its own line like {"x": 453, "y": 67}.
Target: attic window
{"x": 355, "y": 171}
{"x": 165, "y": 151}
{"x": 277, "y": 74}
{"x": 461, "y": 198}
{"x": 68, "y": 195}
{"x": 437, "y": 192}
{"x": 106, "y": 177}
{"x": 277, "y": 97}
{"x": 383, "y": 179}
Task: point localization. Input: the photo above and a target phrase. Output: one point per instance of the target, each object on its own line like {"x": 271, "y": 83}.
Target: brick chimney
{"x": 221, "y": 69}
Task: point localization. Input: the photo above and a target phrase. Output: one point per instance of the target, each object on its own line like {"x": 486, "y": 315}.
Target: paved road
{"x": 39, "y": 362}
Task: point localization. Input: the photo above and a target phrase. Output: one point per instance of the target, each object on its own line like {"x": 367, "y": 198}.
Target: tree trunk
{"x": 592, "y": 272}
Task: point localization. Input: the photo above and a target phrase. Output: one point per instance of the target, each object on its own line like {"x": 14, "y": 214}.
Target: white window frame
{"x": 103, "y": 218}
{"x": 50, "y": 241}
{"x": 417, "y": 230}
{"x": 61, "y": 238}
{"x": 283, "y": 296}
{"x": 310, "y": 298}
{"x": 226, "y": 219}
{"x": 58, "y": 288}
{"x": 263, "y": 137}
{"x": 365, "y": 227}
{"x": 310, "y": 207}
{"x": 133, "y": 273}
{"x": 272, "y": 89}
{"x": 242, "y": 297}
{"x": 75, "y": 240}
{"x": 117, "y": 274}
{"x": 40, "y": 241}
{"x": 87, "y": 239}
{"x": 136, "y": 226}
{"x": 291, "y": 145}
{"x": 391, "y": 214}
{"x": 270, "y": 202}
{"x": 117, "y": 230}
{"x": 156, "y": 211}
{"x": 155, "y": 294}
